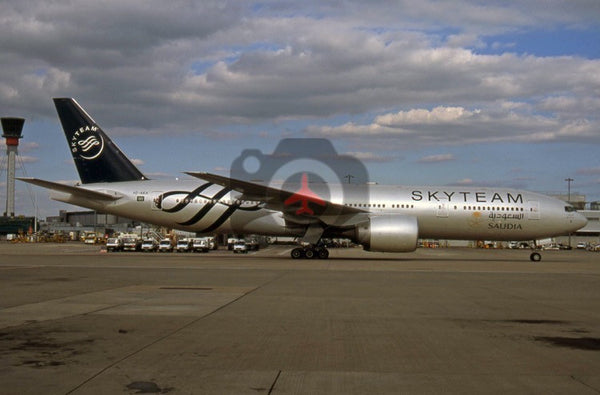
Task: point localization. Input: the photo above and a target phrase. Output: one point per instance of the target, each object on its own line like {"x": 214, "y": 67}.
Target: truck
{"x": 200, "y": 245}
{"x": 132, "y": 243}
{"x": 165, "y": 245}
{"x": 212, "y": 243}
{"x": 114, "y": 244}
{"x": 184, "y": 245}
{"x": 149, "y": 245}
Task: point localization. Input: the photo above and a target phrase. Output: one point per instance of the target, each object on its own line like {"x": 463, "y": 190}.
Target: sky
{"x": 456, "y": 92}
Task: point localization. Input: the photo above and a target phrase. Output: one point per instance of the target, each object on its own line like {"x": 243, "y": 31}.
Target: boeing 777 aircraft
{"x": 381, "y": 218}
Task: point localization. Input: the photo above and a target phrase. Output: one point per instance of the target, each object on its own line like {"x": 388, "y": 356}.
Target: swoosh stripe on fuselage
{"x": 184, "y": 202}
{"x": 207, "y": 207}
{"x": 230, "y": 210}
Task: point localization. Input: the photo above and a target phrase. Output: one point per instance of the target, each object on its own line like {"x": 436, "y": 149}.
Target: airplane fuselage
{"x": 441, "y": 212}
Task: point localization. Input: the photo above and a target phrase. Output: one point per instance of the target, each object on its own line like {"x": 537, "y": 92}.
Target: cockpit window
{"x": 569, "y": 209}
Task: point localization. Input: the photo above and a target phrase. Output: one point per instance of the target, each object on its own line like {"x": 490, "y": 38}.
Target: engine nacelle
{"x": 388, "y": 233}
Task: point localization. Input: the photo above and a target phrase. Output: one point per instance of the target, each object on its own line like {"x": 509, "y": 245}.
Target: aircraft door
{"x": 533, "y": 209}
{"x": 442, "y": 210}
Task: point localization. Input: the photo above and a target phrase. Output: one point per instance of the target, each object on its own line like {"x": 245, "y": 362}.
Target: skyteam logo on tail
{"x": 87, "y": 143}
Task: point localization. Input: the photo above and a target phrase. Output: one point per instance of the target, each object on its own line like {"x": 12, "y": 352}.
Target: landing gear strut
{"x": 310, "y": 252}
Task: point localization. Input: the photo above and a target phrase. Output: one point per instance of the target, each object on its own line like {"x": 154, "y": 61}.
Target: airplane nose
{"x": 579, "y": 221}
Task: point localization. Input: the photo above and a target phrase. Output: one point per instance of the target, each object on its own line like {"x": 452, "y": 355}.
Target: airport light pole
{"x": 569, "y": 180}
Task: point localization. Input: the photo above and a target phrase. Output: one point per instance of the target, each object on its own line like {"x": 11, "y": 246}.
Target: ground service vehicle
{"x": 132, "y": 244}
{"x": 149, "y": 245}
{"x": 200, "y": 245}
{"x": 231, "y": 242}
{"x": 184, "y": 245}
{"x": 165, "y": 245}
{"x": 240, "y": 247}
{"x": 89, "y": 238}
{"x": 114, "y": 244}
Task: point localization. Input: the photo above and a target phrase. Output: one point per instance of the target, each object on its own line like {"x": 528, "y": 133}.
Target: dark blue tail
{"x": 96, "y": 157}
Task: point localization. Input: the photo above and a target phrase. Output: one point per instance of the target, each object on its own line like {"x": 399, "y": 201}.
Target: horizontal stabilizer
{"x": 75, "y": 191}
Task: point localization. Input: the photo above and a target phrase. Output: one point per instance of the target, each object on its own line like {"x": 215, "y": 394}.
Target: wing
{"x": 75, "y": 191}
{"x": 328, "y": 213}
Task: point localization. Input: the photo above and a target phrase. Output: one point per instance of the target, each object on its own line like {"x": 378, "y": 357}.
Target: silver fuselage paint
{"x": 442, "y": 212}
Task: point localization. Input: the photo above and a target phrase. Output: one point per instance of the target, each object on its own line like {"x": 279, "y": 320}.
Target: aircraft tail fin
{"x": 96, "y": 157}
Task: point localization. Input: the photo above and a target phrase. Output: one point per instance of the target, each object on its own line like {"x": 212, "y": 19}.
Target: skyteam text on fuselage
{"x": 385, "y": 218}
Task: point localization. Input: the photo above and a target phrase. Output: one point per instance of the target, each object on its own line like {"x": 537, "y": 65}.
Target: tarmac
{"x": 76, "y": 320}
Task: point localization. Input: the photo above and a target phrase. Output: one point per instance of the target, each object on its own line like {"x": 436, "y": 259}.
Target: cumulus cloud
{"x": 503, "y": 122}
{"x": 464, "y": 182}
{"x": 370, "y": 156}
{"x": 437, "y": 115}
{"x": 188, "y": 67}
{"x": 591, "y": 171}
{"x": 437, "y": 158}
{"x": 21, "y": 159}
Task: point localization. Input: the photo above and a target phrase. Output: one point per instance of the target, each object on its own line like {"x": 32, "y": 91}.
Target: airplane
{"x": 383, "y": 218}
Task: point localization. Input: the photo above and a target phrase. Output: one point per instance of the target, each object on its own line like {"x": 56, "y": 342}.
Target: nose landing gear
{"x": 535, "y": 256}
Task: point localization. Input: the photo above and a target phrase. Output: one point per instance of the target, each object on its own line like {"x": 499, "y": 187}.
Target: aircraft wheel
{"x": 309, "y": 253}
{"x": 297, "y": 253}
{"x": 535, "y": 257}
{"x": 323, "y": 253}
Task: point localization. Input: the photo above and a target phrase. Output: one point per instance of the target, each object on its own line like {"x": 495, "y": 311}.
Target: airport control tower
{"x": 12, "y": 128}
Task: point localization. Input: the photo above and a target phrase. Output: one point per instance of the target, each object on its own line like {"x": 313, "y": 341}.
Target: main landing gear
{"x": 310, "y": 252}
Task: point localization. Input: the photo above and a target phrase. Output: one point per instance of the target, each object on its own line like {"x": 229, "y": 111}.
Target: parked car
{"x": 184, "y": 245}
{"x": 518, "y": 245}
{"x": 240, "y": 247}
{"x": 252, "y": 244}
{"x": 165, "y": 245}
{"x": 114, "y": 244}
{"x": 581, "y": 246}
{"x": 149, "y": 245}
{"x": 551, "y": 247}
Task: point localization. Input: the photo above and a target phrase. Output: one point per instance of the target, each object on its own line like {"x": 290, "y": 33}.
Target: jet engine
{"x": 388, "y": 233}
